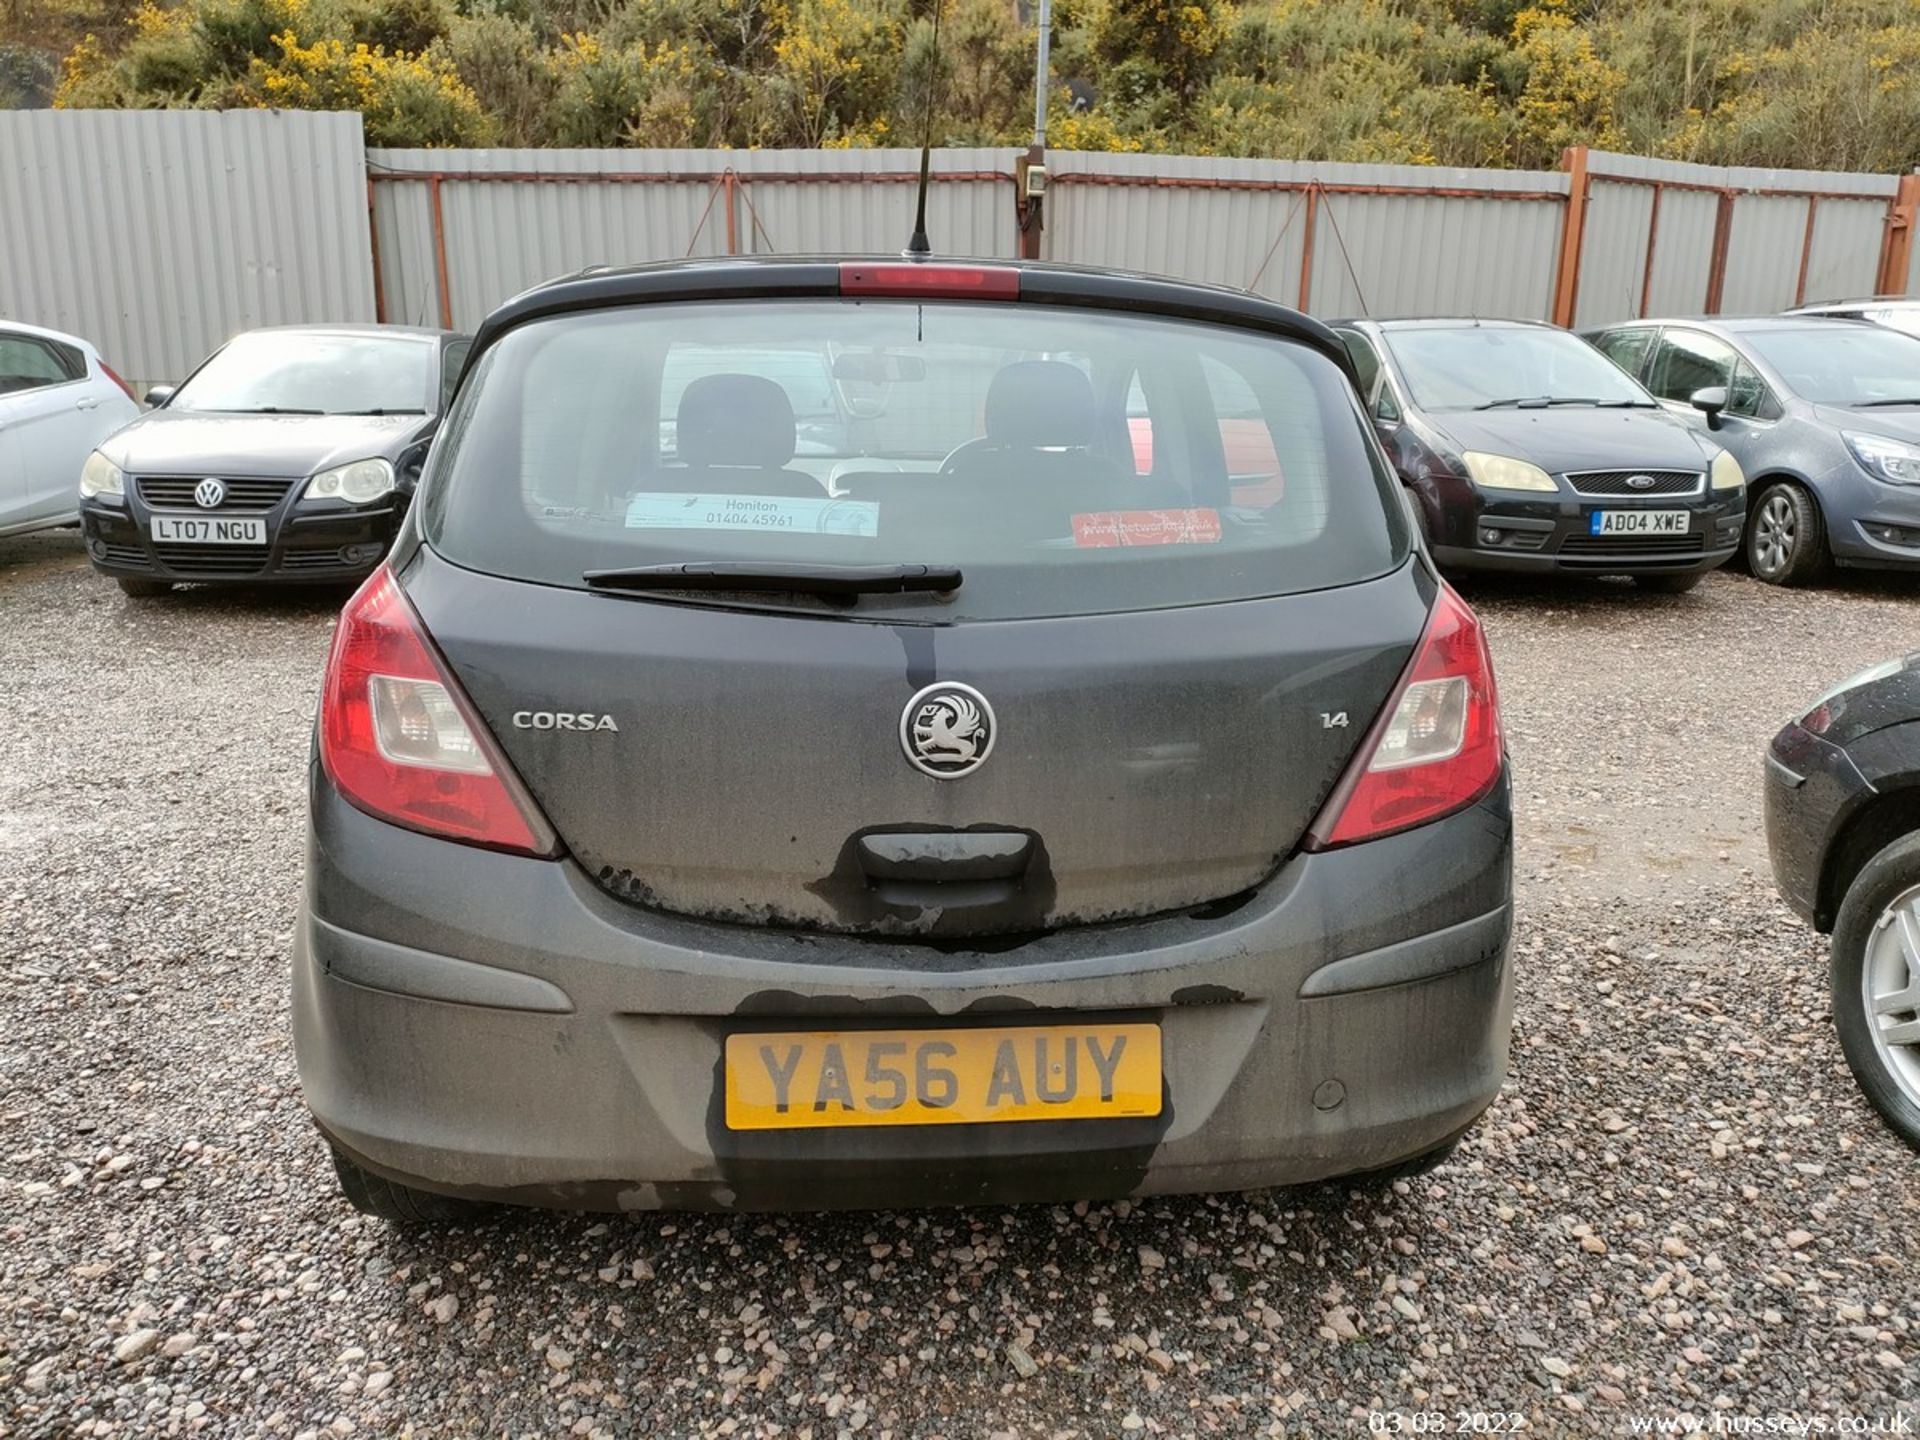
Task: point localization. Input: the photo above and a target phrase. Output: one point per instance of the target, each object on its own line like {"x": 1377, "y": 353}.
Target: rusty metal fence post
{"x": 442, "y": 281}
{"x": 1573, "y": 235}
{"x": 1896, "y": 245}
{"x": 1717, "y": 257}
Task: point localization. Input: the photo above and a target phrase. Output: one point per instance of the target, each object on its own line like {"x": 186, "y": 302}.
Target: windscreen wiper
{"x": 774, "y": 576}
{"x": 275, "y": 410}
{"x": 1537, "y": 402}
{"x": 377, "y": 411}
{"x": 1877, "y": 404}
{"x": 1629, "y": 404}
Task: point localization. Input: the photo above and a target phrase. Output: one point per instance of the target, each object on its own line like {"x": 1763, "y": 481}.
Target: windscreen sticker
{"x": 1102, "y": 529}
{"x": 800, "y": 515}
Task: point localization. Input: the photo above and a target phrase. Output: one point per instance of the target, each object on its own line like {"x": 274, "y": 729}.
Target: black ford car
{"x": 1525, "y": 449}
{"x": 288, "y": 456}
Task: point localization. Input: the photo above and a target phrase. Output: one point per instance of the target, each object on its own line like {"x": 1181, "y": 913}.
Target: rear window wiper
{"x": 775, "y": 576}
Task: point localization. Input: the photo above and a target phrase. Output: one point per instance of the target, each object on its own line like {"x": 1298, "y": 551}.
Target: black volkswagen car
{"x": 977, "y": 814}
{"x": 1527, "y": 450}
{"x": 288, "y": 456}
{"x": 1843, "y": 830}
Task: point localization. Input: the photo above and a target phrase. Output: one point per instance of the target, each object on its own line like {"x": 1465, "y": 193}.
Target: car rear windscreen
{"x": 1068, "y": 461}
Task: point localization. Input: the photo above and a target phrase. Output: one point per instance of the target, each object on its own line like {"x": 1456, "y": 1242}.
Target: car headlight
{"x": 1726, "y": 472}
{"x": 1503, "y": 472}
{"x": 1893, "y": 461}
{"x": 359, "y": 482}
{"x": 100, "y": 476}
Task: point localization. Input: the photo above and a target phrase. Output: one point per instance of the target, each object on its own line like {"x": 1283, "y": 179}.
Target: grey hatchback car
{"x": 1006, "y": 807}
{"x": 1823, "y": 416}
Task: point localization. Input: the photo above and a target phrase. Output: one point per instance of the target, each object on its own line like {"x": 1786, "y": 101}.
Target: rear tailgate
{"x": 1151, "y": 761}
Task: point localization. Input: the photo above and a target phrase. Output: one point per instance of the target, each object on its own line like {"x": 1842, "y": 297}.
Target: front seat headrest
{"x": 743, "y": 420}
{"x": 1036, "y": 403}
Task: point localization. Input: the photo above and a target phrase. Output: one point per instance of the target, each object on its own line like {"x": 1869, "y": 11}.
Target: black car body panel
{"x": 262, "y": 463}
{"x": 1836, "y": 797}
{"x": 1193, "y": 789}
{"x": 501, "y": 1028}
{"x": 784, "y": 277}
{"x": 1594, "y": 455}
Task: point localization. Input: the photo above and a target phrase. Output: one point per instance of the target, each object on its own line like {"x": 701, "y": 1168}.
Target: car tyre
{"x": 376, "y": 1195}
{"x": 1876, "y": 934}
{"x": 1669, "y": 584}
{"x": 144, "y": 589}
{"x": 1786, "y": 538}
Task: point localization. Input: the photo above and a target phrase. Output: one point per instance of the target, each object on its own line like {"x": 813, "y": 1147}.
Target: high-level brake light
{"x": 921, "y": 279}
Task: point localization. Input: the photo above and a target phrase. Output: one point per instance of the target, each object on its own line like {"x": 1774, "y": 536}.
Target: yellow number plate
{"x": 817, "y": 1079}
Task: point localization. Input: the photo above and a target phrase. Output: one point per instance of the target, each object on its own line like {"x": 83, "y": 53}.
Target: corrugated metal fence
{"x": 1664, "y": 238}
{"x": 1602, "y": 238}
{"x": 158, "y": 234}
{"x": 1332, "y": 239}
{"x": 459, "y": 231}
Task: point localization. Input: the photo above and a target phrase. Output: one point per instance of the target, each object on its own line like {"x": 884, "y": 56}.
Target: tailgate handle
{"x": 945, "y": 857}
{"x": 946, "y": 870}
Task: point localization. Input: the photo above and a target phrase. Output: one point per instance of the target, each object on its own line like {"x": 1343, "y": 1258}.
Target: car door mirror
{"x": 158, "y": 396}
{"x": 412, "y": 460}
{"x": 1710, "y": 402}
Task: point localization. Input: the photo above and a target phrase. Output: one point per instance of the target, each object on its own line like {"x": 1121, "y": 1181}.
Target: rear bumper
{"x": 483, "y": 1025}
{"x": 1553, "y": 534}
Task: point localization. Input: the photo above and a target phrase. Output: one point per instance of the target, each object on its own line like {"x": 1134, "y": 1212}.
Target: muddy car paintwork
{"x": 551, "y": 1030}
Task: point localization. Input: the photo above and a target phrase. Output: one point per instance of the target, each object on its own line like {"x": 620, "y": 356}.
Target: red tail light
{"x": 400, "y": 741}
{"x": 922, "y": 278}
{"x": 114, "y": 375}
{"x": 1436, "y": 747}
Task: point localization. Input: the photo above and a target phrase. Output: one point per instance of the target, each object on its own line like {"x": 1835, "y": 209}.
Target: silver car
{"x": 1896, "y": 312}
{"x": 58, "y": 399}
{"x": 1823, "y": 416}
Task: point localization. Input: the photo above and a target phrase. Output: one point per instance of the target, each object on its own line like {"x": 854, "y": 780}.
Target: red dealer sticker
{"x": 1101, "y": 529}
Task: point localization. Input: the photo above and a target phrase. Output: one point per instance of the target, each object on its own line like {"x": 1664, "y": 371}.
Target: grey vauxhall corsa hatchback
{"x": 1003, "y": 795}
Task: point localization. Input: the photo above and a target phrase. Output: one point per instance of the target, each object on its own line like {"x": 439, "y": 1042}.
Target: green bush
{"x": 1802, "y": 83}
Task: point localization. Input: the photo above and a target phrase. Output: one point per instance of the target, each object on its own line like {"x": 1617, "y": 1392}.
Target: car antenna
{"x": 917, "y": 243}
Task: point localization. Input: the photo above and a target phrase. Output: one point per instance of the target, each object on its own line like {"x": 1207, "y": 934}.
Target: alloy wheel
{"x": 1890, "y": 986}
{"x": 1775, "y": 532}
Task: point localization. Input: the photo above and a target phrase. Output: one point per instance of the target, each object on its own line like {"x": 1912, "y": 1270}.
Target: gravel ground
{"x": 1678, "y": 1203}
